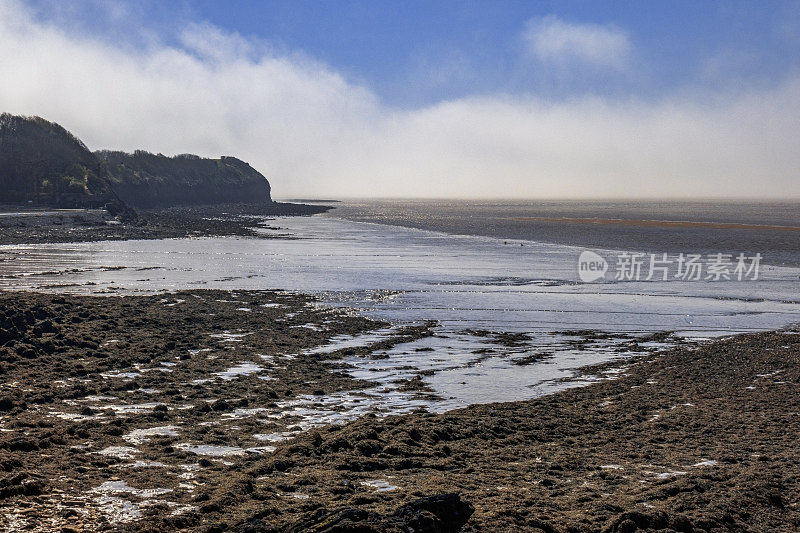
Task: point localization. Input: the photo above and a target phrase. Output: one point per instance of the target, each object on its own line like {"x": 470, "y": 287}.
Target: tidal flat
{"x": 212, "y": 410}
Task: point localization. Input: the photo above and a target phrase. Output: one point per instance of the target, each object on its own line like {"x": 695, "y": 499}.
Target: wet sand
{"x": 168, "y": 412}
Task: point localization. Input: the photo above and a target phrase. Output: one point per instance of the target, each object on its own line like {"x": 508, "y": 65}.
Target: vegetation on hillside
{"x": 147, "y": 180}
{"x": 42, "y": 164}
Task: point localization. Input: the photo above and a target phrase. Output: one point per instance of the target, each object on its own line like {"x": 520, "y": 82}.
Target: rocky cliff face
{"x": 42, "y": 164}
{"x": 148, "y": 180}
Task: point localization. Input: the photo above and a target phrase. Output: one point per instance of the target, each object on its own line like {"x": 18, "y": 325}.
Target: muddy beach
{"x": 212, "y": 411}
{"x": 80, "y": 225}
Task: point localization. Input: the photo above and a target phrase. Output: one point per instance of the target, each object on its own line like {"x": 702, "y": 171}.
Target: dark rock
{"x": 637, "y": 520}
{"x": 20, "y": 444}
{"x": 221, "y": 405}
{"x": 442, "y": 513}
{"x": 202, "y": 408}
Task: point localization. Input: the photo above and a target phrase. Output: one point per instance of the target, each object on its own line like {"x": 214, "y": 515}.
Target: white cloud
{"x": 552, "y": 40}
{"x": 314, "y": 133}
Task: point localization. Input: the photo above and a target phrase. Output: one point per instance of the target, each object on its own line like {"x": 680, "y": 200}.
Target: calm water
{"x": 405, "y": 274}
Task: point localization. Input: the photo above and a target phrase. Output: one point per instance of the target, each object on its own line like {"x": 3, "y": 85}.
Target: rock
{"x": 26, "y": 351}
{"x": 20, "y": 444}
{"x": 442, "y": 513}
{"x": 637, "y": 520}
{"x": 20, "y": 485}
{"x": 202, "y": 408}
{"x": 221, "y": 405}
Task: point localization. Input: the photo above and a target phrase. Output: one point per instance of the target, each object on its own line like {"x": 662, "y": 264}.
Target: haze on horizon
{"x": 374, "y": 99}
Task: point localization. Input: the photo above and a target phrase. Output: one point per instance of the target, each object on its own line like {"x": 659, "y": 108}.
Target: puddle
{"x": 240, "y": 413}
{"x": 351, "y": 341}
{"x": 121, "y": 375}
{"x": 140, "y": 436}
{"x": 242, "y": 369}
{"x": 261, "y": 449}
{"x": 667, "y": 475}
{"x": 143, "y": 464}
{"x": 132, "y": 409}
{"x": 465, "y": 367}
{"x": 122, "y": 487}
{"x": 313, "y": 327}
{"x": 276, "y": 437}
{"x": 308, "y": 411}
{"x": 118, "y": 510}
{"x": 120, "y": 452}
{"x": 230, "y": 337}
{"x": 210, "y": 450}
{"x": 74, "y": 417}
{"x": 380, "y": 485}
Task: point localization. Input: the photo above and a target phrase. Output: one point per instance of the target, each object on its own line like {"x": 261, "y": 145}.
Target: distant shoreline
{"x": 659, "y": 223}
{"x": 312, "y": 201}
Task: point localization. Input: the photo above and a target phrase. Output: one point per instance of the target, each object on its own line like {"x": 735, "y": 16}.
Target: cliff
{"x": 43, "y": 165}
{"x": 148, "y": 180}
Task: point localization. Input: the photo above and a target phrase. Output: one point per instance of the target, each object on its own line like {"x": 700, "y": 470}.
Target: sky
{"x": 470, "y": 99}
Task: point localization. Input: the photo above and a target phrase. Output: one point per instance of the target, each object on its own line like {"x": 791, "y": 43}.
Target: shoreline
{"x": 691, "y": 439}
{"x": 68, "y": 226}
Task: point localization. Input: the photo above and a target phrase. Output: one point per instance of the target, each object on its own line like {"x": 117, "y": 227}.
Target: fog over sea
{"x": 477, "y": 269}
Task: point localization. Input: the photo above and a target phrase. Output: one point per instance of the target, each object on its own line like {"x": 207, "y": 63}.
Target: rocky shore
{"x": 53, "y": 226}
{"x": 209, "y": 411}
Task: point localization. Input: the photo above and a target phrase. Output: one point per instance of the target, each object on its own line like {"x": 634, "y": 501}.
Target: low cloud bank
{"x": 314, "y": 133}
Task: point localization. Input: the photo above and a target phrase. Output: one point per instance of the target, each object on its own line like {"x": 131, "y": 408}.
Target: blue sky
{"x": 435, "y": 98}
{"x": 475, "y": 46}
{"x": 417, "y": 52}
